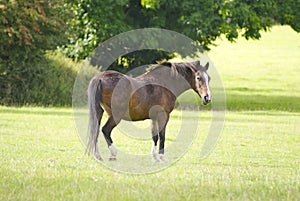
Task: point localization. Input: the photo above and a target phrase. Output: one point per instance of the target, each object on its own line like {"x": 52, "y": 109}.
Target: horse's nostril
{"x": 206, "y": 98}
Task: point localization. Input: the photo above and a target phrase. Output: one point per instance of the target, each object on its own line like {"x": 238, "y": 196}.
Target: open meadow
{"x": 256, "y": 158}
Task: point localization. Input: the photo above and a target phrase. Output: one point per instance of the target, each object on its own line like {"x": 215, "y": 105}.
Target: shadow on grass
{"x": 35, "y": 111}
{"x": 263, "y": 102}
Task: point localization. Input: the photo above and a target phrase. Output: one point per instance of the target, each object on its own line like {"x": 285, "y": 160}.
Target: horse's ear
{"x": 206, "y": 66}
{"x": 197, "y": 63}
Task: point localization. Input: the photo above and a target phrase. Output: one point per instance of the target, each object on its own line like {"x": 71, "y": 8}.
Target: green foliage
{"x": 288, "y": 13}
{"x": 47, "y": 81}
{"x": 27, "y": 29}
{"x": 92, "y": 22}
{"x": 201, "y": 20}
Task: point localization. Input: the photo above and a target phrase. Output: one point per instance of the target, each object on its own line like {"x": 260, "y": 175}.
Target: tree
{"x": 201, "y": 20}
{"x": 27, "y": 29}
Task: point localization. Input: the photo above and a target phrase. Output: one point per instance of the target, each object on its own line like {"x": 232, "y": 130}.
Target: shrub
{"x": 46, "y": 80}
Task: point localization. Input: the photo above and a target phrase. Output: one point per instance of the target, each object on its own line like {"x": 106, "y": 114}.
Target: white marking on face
{"x": 206, "y": 82}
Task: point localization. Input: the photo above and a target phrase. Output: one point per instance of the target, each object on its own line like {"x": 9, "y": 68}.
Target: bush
{"x": 46, "y": 80}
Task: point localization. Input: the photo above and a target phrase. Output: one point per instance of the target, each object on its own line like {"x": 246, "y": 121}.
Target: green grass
{"x": 263, "y": 74}
{"x": 256, "y": 158}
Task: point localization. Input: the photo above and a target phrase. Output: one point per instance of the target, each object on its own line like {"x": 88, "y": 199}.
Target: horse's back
{"x": 133, "y": 98}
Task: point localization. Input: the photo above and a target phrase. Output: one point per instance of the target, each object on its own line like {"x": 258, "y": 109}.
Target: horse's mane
{"x": 182, "y": 68}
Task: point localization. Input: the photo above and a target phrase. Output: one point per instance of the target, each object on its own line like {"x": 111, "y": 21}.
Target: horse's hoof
{"x": 155, "y": 160}
{"x": 155, "y": 157}
{"x": 98, "y": 157}
{"x": 112, "y": 158}
{"x": 163, "y": 158}
{"x": 113, "y": 150}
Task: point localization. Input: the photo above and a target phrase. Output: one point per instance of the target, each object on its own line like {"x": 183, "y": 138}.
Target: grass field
{"x": 256, "y": 158}
{"x": 261, "y": 75}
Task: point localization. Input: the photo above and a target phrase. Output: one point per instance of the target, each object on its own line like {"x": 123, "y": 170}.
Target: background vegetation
{"x": 29, "y": 28}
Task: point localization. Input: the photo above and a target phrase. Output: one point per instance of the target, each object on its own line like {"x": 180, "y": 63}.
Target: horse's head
{"x": 202, "y": 82}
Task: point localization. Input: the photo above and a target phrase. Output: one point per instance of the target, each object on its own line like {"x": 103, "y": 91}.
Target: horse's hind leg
{"x": 107, "y": 129}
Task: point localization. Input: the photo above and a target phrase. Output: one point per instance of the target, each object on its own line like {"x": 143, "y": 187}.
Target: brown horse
{"x": 151, "y": 95}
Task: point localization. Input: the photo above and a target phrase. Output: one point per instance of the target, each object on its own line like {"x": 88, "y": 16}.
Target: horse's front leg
{"x": 162, "y": 124}
{"x": 154, "y": 132}
{"x": 161, "y": 152}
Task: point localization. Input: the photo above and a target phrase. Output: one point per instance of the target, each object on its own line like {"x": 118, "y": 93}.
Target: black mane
{"x": 183, "y": 68}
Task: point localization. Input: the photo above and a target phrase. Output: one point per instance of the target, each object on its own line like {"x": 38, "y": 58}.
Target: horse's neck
{"x": 173, "y": 81}
{"x": 177, "y": 84}
{"x": 182, "y": 85}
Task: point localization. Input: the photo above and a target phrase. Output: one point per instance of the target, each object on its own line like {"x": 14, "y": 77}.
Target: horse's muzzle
{"x": 206, "y": 100}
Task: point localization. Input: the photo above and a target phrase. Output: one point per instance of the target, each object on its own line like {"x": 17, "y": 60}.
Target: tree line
{"x": 30, "y": 28}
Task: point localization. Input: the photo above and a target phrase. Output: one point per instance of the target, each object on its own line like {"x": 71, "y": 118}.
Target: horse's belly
{"x": 137, "y": 114}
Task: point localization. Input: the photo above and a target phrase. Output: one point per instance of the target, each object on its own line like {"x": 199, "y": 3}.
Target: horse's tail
{"x": 95, "y": 114}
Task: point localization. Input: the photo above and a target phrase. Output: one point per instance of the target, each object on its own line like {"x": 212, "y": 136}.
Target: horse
{"x": 151, "y": 95}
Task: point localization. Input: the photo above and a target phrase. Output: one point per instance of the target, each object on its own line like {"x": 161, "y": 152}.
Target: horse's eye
{"x": 199, "y": 78}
